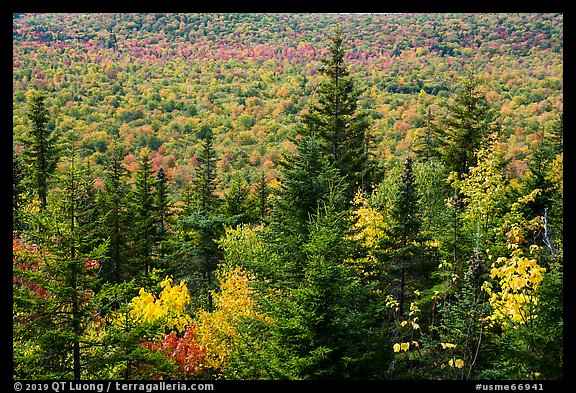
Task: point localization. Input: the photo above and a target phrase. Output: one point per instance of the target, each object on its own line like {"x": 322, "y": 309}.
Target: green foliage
{"x": 205, "y": 180}
{"x": 317, "y": 325}
{"x": 17, "y": 190}
{"x": 239, "y": 205}
{"x": 245, "y": 245}
{"x": 57, "y": 306}
{"x": 41, "y": 151}
{"x": 336, "y": 121}
{"x": 308, "y": 183}
{"x": 470, "y": 121}
{"x": 112, "y": 203}
{"x": 143, "y": 209}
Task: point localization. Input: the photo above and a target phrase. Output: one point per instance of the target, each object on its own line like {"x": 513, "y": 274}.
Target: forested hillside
{"x": 288, "y": 196}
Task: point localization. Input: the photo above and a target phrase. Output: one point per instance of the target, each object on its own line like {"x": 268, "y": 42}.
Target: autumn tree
{"x": 149, "y": 335}
{"x": 484, "y": 191}
{"x": 219, "y": 330}
{"x": 185, "y": 351}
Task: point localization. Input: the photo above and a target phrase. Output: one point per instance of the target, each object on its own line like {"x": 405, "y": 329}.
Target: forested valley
{"x": 287, "y": 196}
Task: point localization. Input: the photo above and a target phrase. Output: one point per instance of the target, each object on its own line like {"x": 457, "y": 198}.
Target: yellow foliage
{"x": 458, "y": 363}
{"x": 518, "y": 278}
{"x": 405, "y": 346}
{"x": 556, "y": 173}
{"x": 171, "y": 305}
{"x": 369, "y": 229}
{"x": 392, "y": 303}
{"x": 217, "y": 330}
{"x": 369, "y": 225}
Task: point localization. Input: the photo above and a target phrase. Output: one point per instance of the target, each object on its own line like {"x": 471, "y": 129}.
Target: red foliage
{"x": 184, "y": 351}
{"x": 92, "y": 264}
{"x": 28, "y": 257}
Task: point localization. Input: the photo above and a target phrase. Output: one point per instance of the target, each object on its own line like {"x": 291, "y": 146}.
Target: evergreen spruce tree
{"x": 427, "y": 142}
{"x": 406, "y": 249}
{"x": 470, "y": 121}
{"x": 325, "y": 327}
{"x": 308, "y": 182}
{"x": 237, "y": 204}
{"x": 544, "y": 173}
{"x": 144, "y": 215}
{"x": 162, "y": 203}
{"x": 41, "y": 151}
{"x": 338, "y": 123}
{"x": 539, "y": 165}
{"x": 198, "y": 254}
{"x": 113, "y": 206}
{"x": 205, "y": 181}
{"x": 57, "y": 315}
{"x": 262, "y": 195}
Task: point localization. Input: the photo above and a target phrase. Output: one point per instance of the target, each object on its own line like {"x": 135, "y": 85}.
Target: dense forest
{"x": 287, "y": 196}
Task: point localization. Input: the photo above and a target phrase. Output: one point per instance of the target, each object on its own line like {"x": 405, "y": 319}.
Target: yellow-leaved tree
{"x": 369, "y": 229}
{"x": 518, "y": 276}
{"x": 170, "y": 304}
{"x": 217, "y": 330}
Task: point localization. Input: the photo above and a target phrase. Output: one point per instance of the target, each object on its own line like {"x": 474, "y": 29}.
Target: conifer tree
{"x": 405, "y": 230}
{"x": 162, "y": 203}
{"x": 58, "y": 320}
{"x": 237, "y": 204}
{"x": 202, "y": 227}
{"x": 470, "y": 121}
{"x": 308, "y": 182}
{"x": 539, "y": 166}
{"x": 338, "y": 123}
{"x": 40, "y": 146}
{"x": 113, "y": 205}
{"x": 427, "y": 142}
{"x": 544, "y": 174}
{"x": 325, "y": 326}
{"x": 144, "y": 216}
{"x": 205, "y": 180}
{"x": 262, "y": 193}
